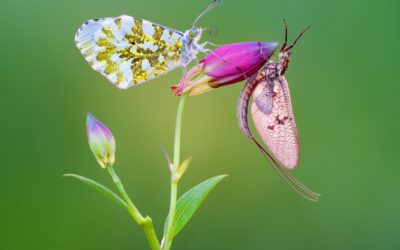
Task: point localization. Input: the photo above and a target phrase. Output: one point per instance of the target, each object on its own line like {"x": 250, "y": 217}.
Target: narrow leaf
{"x": 182, "y": 168}
{"x": 190, "y": 202}
{"x": 100, "y": 188}
{"x": 170, "y": 165}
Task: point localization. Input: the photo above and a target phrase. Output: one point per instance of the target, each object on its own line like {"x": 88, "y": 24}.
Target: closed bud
{"x": 101, "y": 141}
{"x": 228, "y": 64}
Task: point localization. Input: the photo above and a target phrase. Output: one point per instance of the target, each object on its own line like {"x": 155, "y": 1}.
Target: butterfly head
{"x": 194, "y": 33}
{"x": 192, "y": 37}
{"x": 286, "y": 51}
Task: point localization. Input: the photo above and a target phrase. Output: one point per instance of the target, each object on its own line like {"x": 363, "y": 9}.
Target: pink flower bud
{"x": 101, "y": 141}
{"x": 228, "y": 64}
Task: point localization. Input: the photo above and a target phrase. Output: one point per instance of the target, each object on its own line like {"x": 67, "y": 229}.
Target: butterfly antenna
{"x": 212, "y": 31}
{"x": 286, "y": 35}
{"x": 288, "y": 178}
{"x": 297, "y": 39}
{"x": 209, "y": 7}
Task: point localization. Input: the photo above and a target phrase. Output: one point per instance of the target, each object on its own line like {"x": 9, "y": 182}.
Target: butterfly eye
{"x": 193, "y": 33}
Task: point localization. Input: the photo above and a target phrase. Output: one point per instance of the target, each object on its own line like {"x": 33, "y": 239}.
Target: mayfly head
{"x": 285, "y": 52}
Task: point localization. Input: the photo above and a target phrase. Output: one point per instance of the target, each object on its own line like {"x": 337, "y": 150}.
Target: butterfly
{"x": 129, "y": 51}
{"x": 273, "y": 117}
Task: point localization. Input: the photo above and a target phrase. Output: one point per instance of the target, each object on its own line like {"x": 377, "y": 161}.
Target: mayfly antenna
{"x": 284, "y": 48}
{"x": 297, "y": 39}
{"x": 209, "y": 7}
{"x": 286, "y": 36}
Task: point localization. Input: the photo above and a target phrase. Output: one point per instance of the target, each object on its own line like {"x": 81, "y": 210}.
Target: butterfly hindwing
{"x": 277, "y": 128}
{"x": 129, "y": 51}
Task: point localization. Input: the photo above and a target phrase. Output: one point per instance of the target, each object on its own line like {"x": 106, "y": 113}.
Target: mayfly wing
{"x": 263, "y": 87}
{"x": 264, "y": 99}
{"x": 277, "y": 128}
{"x": 129, "y": 51}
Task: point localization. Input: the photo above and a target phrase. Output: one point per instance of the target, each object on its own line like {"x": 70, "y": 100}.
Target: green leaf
{"x": 100, "y": 188}
{"x": 190, "y": 202}
{"x": 182, "y": 168}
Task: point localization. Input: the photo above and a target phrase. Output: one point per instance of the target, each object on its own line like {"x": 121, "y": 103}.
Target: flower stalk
{"x": 145, "y": 222}
{"x": 168, "y": 237}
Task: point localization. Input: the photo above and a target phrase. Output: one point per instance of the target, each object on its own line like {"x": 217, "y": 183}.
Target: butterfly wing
{"x": 129, "y": 51}
{"x": 275, "y": 124}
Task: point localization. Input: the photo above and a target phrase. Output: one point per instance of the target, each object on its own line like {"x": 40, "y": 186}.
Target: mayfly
{"x": 129, "y": 51}
{"x": 273, "y": 116}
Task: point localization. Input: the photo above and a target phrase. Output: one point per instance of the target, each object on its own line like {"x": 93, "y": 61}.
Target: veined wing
{"x": 265, "y": 106}
{"x": 127, "y": 50}
{"x": 276, "y": 125}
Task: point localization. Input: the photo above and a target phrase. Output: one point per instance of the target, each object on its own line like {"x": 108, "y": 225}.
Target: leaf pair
{"x": 186, "y": 205}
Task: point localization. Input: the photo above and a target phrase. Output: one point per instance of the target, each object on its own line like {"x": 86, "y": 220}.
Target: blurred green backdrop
{"x": 345, "y": 97}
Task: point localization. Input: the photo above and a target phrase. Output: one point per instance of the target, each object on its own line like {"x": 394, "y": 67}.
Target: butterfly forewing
{"x": 276, "y": 127}
{"x": 127, "y": 50}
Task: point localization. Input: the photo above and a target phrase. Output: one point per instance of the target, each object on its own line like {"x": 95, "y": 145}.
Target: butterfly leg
{"x": 202, "y": 47}
{"x": 184, "y": 70}
{"x": 205, "y": 50}
{"x": 209, "y": 43}
{"x": 215, "y": 54}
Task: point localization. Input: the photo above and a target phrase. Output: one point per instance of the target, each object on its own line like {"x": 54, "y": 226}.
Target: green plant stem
{"x": 178, "y": 131}
{"x": 174, "y": 180}
{"x": 145, "y": 222}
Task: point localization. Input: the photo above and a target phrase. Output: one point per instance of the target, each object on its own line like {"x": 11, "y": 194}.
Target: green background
{"x": 343, "y": 78}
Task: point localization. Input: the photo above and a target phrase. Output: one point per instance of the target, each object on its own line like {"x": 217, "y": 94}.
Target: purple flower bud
{"x": 228, "y": 64}
{"x": 101, "y": 141}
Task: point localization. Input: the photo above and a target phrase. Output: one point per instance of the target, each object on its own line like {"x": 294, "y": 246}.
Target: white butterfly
{"x": 129, "y": 51}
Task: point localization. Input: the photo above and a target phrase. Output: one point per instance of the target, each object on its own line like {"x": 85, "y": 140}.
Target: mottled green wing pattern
{"x": 129, "y": 51}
